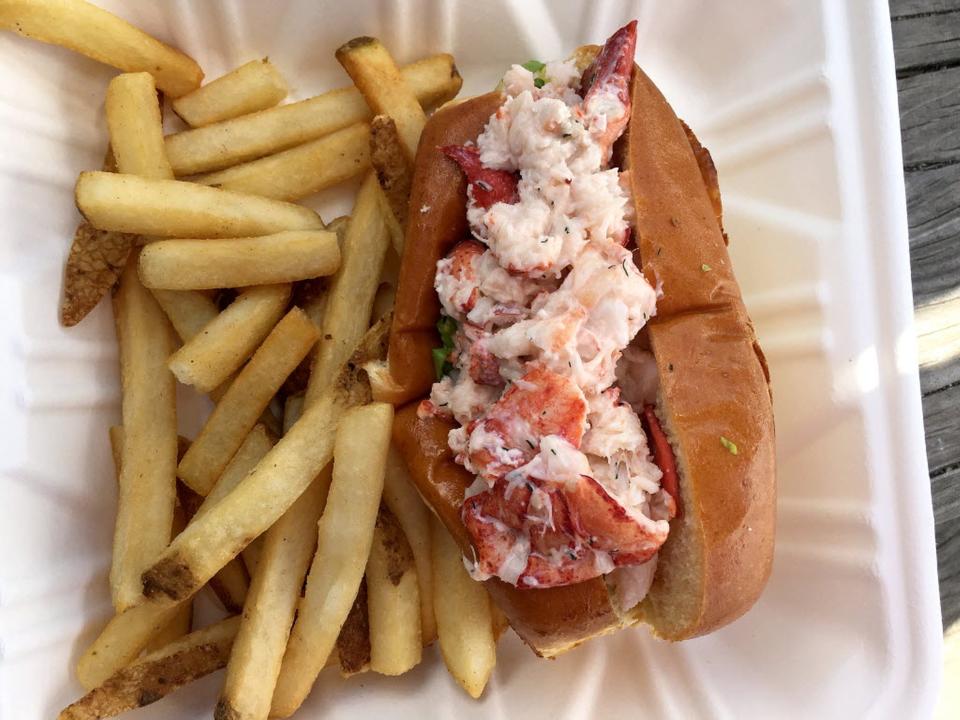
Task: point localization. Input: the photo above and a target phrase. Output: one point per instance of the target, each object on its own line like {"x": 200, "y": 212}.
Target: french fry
{"x": 256, "y": 444}
{"x": 231, "y": 582}
{"x": 247, "y": 397}
{"x": 188, "y": 311}
{"x": 256, "y": 85}
{"x": 464, "y": 622}
{"x": 345, "y": 534}
{"x": 311, "y": 297}
{"x": 434, "y": 80}
{"x": 251, "y": 554}
{"x": 383, "y": 301}
{"x": 374, "y": 342}
{"x": 129, "y": 632}
{"x": 292, "y": 409}
{"x": 136, "y": 128}
{"x": 258, "y": 501}
{"x": 177, "y": 628}
{"x": 269, "y": 612}
{"x": 393, "y": 599}
{"x": 379, "y": 80}
{"x": 171, "y": 208}
{"x": 302, "y": 170}
{"x": 353, "y": 642}
{"x": 500, "y": 622}
{"x": 205, "y": 264}
{"x": 339, "y": 224}
{"x": 396, "y": 232}
{"x": 119, "y": 643}
{"x": 181, "y": 622}
{"x": 226, "y": 342}
{"x": 405, "y": 503}
{"x": 97, "y": 257}
{"x": 158, "y": 673}
{"x": 390, "y": 272}
{"x": 115, "y": 433}
{"x": 394, "y": 170}
{"x": 383, "y": 386}
{"x": 352, "y": 288}
{"x": 102, "y": 36}
{"x": 183, "y": 619}
{"x": 148, "y": 470}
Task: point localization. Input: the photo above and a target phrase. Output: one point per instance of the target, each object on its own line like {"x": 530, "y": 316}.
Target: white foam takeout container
{"x": 797, "y": 101}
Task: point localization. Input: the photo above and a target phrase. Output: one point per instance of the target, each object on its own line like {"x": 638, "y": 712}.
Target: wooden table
{"x": 926, "y": 39}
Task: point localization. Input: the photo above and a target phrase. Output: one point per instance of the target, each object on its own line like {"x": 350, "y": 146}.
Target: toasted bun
{"x": 713, "y": 383}
{"x": 436, "y": 222}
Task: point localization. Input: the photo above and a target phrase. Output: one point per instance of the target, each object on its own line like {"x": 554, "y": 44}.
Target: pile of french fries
{"x": 290, "y": 504}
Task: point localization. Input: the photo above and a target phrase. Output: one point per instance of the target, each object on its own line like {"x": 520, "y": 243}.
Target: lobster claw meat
{"x": 609, "y": 74}
{"x": 613, "y": 65}
{"x": 487, "y": 186}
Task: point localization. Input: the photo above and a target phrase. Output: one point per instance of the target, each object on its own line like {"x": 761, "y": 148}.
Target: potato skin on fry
{"x": 393, "y": 599}
{"x": 97, "y": 257}
{"x": 345, "y": 534}
{"x": 288, "y": 547}
{"x": 159, "y": 673}
{"x": 378, "y": 78}
{"x": 353, "y": 642}
{"x": 208, "y": 543}
{"x": 392, "y": 167}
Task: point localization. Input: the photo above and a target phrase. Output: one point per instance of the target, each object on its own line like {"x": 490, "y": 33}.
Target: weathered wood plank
{"x": 946, "y": 506}
{"x": 929, "y": 109}
{"x": 937, "y": 377}
{"x": 933, "y": 207}
{"x": 900, "y": 9}
{"x": 941, "y": 421}
{"x": 936, "y": 268}
{"x": 937, "y": 324}
{"x": 926, "y": 37}
{"x": 926, "y": 41}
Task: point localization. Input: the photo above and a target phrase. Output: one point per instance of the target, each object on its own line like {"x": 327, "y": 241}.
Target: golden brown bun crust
{"x": 726, "y": 535}
{"x": 548, "y": 620}
{"x": 436, "y": 222}
{"x": 713, "y": 381}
